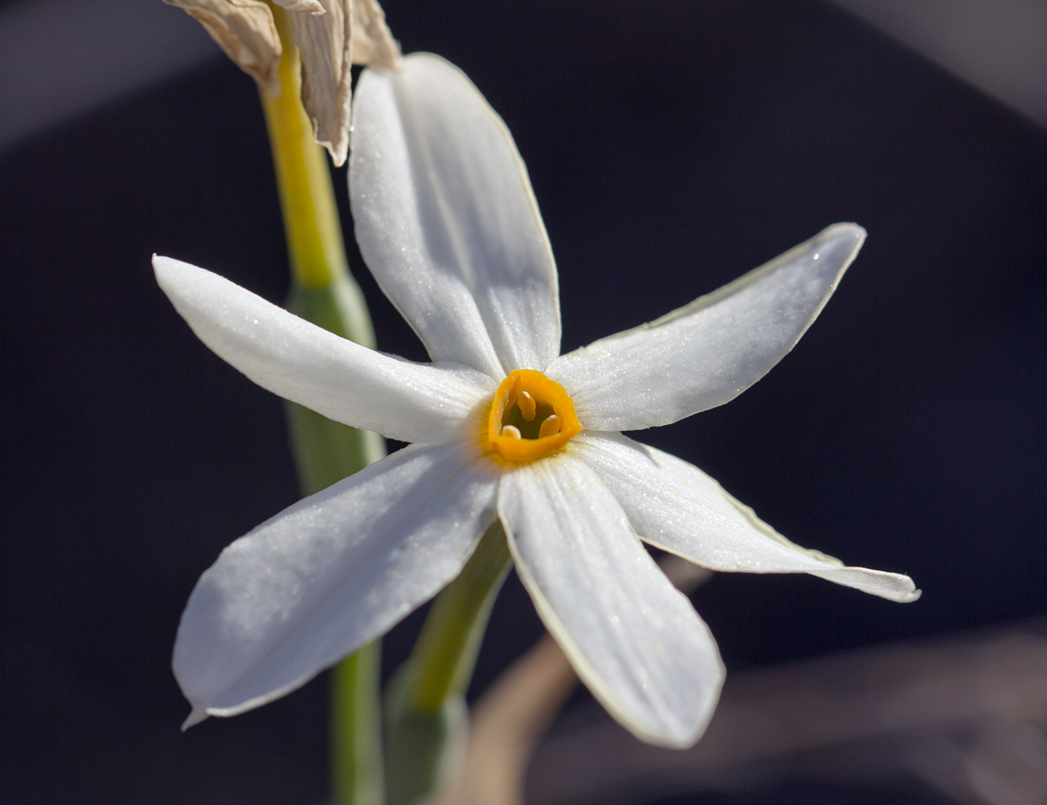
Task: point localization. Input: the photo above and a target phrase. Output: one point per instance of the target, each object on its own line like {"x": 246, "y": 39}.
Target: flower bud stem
{"x": 425, "y": 709}
{"x": 444, "y": 656}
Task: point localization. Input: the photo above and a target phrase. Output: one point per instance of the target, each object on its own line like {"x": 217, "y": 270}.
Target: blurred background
{"x": 672, "y": 145}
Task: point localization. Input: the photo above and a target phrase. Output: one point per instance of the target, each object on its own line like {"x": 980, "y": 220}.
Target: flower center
{"x": 531, "y": 417}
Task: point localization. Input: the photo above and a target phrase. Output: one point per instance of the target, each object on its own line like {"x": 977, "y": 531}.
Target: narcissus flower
{"x": 501, "y": 426}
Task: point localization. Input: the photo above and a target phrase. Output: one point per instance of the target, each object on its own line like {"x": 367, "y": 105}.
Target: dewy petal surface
{"x": 709, "y": 351}
{"x": 632, "y": 637}
{"x": 446, "y": 219}
{"x": 675, "y": 506}
{"x": 311, "y": 366}
{"x": 327, "y": 575}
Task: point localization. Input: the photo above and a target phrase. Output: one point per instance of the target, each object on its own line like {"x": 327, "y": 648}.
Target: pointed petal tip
{"x": 685, "y": 734}
{"x": 174, "y": 276}
{"x": 682, "y": 740}
{"x": 195, "y": 717}
{"x": 681, "y": 728}
{"x": 847, "y": 226}
{"x": 163, "y": 267}
{"x": 844, "y": 233}
{"x": 689, "y": 723}
{"x": 896, "y": 587}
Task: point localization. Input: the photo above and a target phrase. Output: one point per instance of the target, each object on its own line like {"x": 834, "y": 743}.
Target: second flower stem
{"x": 426, "y": 714}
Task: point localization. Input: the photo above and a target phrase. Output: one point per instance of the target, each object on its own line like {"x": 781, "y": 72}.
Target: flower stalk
{"x": 323, "y": 292}
{"x": 445, "y": 654}
{"x": 426, "y": 713}
{"x": 314, "y": 235}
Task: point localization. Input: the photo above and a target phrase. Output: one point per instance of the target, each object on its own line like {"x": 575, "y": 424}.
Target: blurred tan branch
{"x": 963, "y": 714}
{"x": 515, "y": 712}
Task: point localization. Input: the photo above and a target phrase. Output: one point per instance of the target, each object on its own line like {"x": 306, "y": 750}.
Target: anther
{"x": 527, "y": 405}
{"x": 530, "y": 417}
{"x": 514, "y": 392}
{"x": 550, "y": 426}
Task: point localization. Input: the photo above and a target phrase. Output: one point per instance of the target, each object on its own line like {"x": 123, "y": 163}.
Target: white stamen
{"x": 550, "y": 427}
{"x": 527, "y": 405}
{"x": 511, "y": 431}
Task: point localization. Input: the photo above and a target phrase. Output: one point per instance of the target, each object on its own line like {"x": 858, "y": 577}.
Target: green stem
{"x": 445, "y": 654}
{"x": 324, "y": 292}
{"x": 356, "y": 747}
{"x": 426, "y": 714}
{"x": 314, "y": 234}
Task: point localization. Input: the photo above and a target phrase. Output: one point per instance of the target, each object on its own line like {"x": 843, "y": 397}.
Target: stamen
{"x": 550, "y": 427}
{"x": 527, "y": 405}
{"x": 514, "y": 392}
{"x": 530, "y": 417}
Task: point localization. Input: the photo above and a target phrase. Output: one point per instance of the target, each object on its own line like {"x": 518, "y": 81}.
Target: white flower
{"x": 447, "y": 222}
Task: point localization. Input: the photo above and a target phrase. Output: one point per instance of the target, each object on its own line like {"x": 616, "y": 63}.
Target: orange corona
{"x": 530, "y": 417}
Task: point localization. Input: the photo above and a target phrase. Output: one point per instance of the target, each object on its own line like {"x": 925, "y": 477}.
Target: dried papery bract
{"x": 331, "y": 35}
{"x": 350, "y": 32}
{"x": 244, "y": 30}
{"x": 373, "y": 43}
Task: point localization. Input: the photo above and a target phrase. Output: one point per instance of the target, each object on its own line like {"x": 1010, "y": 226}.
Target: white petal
{"x": 309, "y": 365}
{"x": 675, "y": 506}
{"x": 446, "y": 219}
{"x": 711, "y": 350}
{"x": 631, "y": 636}
{"x": 327, "y": 575}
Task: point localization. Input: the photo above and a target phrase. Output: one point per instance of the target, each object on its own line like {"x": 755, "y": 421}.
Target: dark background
{"x": 672, "y": 146}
